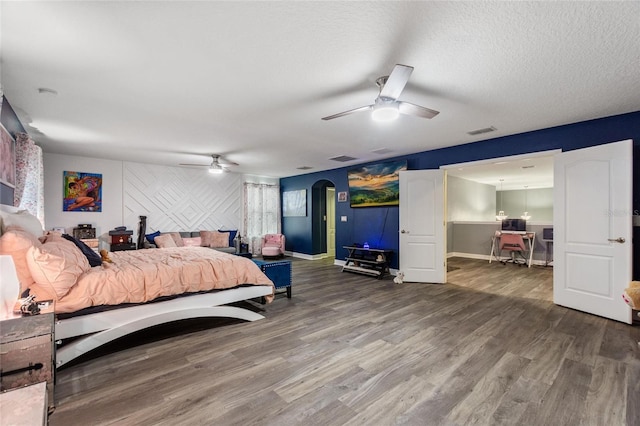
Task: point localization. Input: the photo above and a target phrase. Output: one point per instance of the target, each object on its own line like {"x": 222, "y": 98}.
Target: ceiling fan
{"x": 218, "y": 164}
{"x": 387, "y": 107}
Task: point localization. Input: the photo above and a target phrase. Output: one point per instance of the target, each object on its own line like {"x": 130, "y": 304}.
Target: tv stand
{"x": 368, "y": 261}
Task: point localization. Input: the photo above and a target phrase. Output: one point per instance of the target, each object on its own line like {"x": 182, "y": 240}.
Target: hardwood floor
{"x": 487, "y": 348}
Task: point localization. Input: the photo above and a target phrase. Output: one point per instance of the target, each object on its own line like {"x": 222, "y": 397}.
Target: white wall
{"x": 470, "y": 201}
{"x": 539, "y": 203}
{"x": 172, "y": 198}
{"x": 112, "y": 205}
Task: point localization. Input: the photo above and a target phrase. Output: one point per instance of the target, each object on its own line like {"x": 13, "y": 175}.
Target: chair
{"x": 513, "y": 243}
{"x": 273, "y": 245}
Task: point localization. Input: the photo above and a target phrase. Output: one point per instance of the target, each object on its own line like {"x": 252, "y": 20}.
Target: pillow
{"x": 192, "y": 241}
{"x": 57, "y": 265}
{"x": 214, "y": 239}
{"x": 16, "y": 242}
{"x": 164, "y": 241}
{"x": 22, "y": 219}
{"x": 151, "y": 237}
{"x": 93, "y": 257}
{"x": 232, "y": 235}
{"x": 177, "y": 238}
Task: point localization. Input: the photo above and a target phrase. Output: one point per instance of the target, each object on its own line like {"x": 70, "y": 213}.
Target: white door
{"x": 331, "y": 222}
{"x": 592, "y": 217}
{"x": 422, "y": 226}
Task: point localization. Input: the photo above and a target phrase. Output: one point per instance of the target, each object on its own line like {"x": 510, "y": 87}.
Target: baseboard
{"x": 486, "y": 257}
{"x": 306, "y": 256}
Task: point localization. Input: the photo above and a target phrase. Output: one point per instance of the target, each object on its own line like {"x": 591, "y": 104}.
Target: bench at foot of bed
{"x": 103, "y": 327}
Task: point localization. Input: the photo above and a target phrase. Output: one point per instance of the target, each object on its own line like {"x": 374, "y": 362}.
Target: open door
{"x": 331, "y": 222}
{"x": 422, "y": 226}
{"x": 592, "y": 229}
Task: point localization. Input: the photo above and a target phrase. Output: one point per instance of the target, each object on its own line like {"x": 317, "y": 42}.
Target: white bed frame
{"x": 104, "y": 327}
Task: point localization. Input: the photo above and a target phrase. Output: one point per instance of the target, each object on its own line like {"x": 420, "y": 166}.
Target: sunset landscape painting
{"x": 375, "y": 185}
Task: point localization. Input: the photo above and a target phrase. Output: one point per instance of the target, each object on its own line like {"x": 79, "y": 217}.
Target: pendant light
{"x": 501, "y": 215}
{"x": 526, "y": 215}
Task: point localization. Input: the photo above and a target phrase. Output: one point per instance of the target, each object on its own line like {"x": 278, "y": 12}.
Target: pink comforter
{"x": 142, "y": 275}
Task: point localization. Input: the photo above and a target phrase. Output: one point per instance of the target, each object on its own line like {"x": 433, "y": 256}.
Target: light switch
{"x": 343, "y": 218}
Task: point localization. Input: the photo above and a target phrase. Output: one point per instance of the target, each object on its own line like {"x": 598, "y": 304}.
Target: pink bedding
{"x": 142, "y": 275}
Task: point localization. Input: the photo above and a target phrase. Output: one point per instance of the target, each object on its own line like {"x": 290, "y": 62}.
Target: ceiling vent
{"x": 304, "y": 167}
{"x": 481, "y": 131}
{"x": 382, "y": 151}
{"x": 343, "y": 158}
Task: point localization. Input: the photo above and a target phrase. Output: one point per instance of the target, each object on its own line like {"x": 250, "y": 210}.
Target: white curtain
{"x": 261, "y": 213}
{"x": 29, "y": 191}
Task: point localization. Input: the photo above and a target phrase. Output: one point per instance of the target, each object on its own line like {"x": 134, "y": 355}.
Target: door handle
{"x": 404, "y": 232}
{"x": 617, "y": 240}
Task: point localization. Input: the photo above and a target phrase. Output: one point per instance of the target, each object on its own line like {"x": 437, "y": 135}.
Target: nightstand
{"x": 27, "y": 351}
{"x": 123, "y": 246}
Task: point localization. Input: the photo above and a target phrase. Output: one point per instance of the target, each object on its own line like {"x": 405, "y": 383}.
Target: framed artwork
{"x": 294, "y": 203}
{"x": 82, "y": 192}
{"x": 7, "y": 158}
{"x": 342, "y": 196}
{"x": 376, "y": 185}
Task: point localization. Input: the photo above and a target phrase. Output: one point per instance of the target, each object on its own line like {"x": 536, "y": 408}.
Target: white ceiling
{"x": 172, "y": 82}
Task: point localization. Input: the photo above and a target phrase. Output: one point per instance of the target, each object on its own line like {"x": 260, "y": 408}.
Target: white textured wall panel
{"x": 181, "y": 199}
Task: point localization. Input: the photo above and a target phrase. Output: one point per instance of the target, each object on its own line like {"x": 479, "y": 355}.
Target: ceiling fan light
{"x": 215, "y": 169}
{"x": 386, "y": 112}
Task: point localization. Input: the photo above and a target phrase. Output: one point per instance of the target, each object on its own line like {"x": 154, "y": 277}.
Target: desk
{"x": 529, "y": 237}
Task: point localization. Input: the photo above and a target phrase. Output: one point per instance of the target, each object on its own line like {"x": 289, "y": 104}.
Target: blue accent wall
{"x": 379, "y": 225}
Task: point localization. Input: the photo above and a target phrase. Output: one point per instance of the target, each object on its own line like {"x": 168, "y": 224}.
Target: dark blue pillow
{"x": 150, "y": 237}
{"x": 93, "y": 257}
{"x": 232, "y": 234}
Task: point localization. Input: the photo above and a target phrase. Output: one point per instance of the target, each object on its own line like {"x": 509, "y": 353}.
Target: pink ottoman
{"x": 271, "y": 251}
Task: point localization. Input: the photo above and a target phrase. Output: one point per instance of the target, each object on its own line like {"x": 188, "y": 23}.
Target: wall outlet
{"x": 343, "y": 218}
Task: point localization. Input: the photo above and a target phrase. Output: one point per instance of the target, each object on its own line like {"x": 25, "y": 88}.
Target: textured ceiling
{"x": 172, "y": 82}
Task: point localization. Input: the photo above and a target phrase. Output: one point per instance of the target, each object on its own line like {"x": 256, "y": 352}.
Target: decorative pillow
{"x": 177, "y": 238}
{"x": 22, "y": 219}
{"x": 151, "y": 237}
{"x": 16, "y": 242}
{"x": 192, "y": 241}
{"x": 214, "y": 239}
{"x": 164, "y": 241}
{"x": 232, "y": 235}
{"x": 93, "y": 257}
{"x": 57, "y": 265}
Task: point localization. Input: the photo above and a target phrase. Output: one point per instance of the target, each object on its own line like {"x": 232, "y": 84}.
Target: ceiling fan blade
{"x": 396, "y": 81}
{"x": 351, "y": 111}
{"x": 417, "y": 110}
{"x": 224, "y": 162}
{"x": 195, "y": 165}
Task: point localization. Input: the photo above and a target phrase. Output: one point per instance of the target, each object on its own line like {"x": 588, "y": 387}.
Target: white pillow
{"x": 22, "y": 219}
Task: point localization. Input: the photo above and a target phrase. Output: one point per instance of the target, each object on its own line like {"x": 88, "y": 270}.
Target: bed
{"x": 139, "y": 289}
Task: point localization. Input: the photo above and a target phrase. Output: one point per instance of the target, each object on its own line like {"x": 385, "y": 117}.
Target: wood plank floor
{"x": 488, "y": 348}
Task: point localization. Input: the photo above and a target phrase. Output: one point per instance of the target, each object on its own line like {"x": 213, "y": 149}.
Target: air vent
{"x": 304, "y": 167}
{"x": 343, "y": 158}
{"x": 382, "y": 151}
{"x": 481, "y": 131}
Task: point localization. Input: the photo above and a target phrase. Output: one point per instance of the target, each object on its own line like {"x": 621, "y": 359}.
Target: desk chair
{"x": 515, "y": 244}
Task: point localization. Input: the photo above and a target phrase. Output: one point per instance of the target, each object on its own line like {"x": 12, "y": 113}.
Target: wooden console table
{"x": 369, "y": 261}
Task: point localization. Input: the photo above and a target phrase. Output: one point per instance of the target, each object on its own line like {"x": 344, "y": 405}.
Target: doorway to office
{"x": 521, "y": 187}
